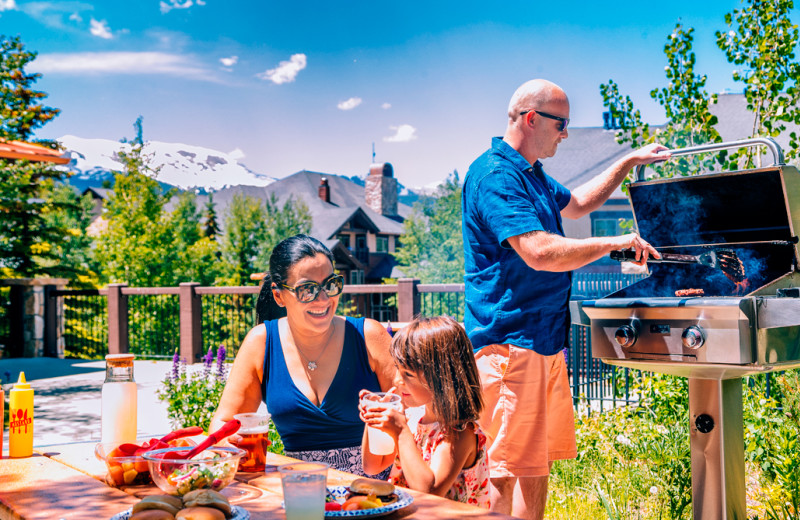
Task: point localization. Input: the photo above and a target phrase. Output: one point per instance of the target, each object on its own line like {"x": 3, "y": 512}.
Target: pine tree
{"x": 211, "y": 228}
{"x": 38, "y": 218}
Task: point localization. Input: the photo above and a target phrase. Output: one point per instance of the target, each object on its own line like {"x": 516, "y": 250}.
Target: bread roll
{"x": 200, "y": 513}
{"x": 152, "y": 514}
{"x": 166, "y": 503}
{"x": 207, "y": 497}
{"x": 367, "y": 486}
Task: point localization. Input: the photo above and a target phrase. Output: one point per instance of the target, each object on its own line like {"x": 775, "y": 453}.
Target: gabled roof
{"x": 31, "y": 152}
{"x": 347, "y": 201}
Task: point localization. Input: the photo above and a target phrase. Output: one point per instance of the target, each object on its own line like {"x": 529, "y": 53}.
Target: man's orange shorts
{"x": 528, "y": 415}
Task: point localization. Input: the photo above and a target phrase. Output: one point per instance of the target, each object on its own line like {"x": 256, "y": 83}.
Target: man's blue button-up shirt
{"x": 507, "y": 301}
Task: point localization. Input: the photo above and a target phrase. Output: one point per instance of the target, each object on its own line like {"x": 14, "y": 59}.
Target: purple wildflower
{"x": 208, "y": 360}
{"x": 221, "y": 353}
{"x": 389, "y": 328}
{"x": 176, "y": 366}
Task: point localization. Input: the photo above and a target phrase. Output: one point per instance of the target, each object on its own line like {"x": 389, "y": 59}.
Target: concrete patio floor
{"x": 67, "y": 397}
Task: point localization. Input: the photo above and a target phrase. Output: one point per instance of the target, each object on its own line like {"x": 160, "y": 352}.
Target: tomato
{"x": 333, "y": 506}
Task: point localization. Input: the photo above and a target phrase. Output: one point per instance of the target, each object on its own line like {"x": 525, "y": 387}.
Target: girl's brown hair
{"x": 439, "y": 350}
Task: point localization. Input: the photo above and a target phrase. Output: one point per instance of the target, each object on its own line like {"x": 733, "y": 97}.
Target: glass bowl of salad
{"x": 213, "y": 468}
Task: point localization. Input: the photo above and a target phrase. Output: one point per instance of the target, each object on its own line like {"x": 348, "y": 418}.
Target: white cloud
{"x": 100, "y": 29}
{"x": 402, "y": 134}
{"x": 75, "y": 17}
{"x": 237, "y": 154}
{"x": 122, "y": 63}
{"x": 286, "y": 71}
{"x": 386, "y": 106}
{"x": 230, "y": 61}
{"x": 177, "y": 4}
{"x": 7, "y": 5}
{"x": 350, "y": 104}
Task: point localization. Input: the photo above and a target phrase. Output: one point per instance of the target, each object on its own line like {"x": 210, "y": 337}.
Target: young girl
{"x": 439, "y": 447}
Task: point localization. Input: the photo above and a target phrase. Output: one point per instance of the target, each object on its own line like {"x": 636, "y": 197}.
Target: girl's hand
{"x": 390, "y": 421}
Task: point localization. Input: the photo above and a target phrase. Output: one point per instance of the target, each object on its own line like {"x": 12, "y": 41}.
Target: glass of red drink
{"x": 254, "y": 434}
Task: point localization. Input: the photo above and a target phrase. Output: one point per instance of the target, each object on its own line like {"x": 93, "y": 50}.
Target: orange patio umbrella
{"x": 31, "y": 152}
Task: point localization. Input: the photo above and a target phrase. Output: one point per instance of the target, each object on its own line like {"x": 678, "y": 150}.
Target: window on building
{"x": 382, "y": 244}
{"x": 605, "y": 227}
{"x": 345, "y": 240}
{"x": 607, "y": 223}
{"x": 356, "y": 277}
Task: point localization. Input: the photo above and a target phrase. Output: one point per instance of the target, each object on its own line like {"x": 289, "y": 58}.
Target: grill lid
{"x": 720, "y": 208}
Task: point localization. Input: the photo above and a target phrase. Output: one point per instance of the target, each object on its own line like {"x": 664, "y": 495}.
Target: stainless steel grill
{"x": 744, "y": 320}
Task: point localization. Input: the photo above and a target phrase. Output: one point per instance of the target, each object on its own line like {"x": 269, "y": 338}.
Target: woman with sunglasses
{"x": 307, "y": 364}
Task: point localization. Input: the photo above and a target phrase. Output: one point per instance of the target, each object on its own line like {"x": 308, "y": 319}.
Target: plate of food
{"x": 365, "y": 497}
{"x": 202, "y": 504}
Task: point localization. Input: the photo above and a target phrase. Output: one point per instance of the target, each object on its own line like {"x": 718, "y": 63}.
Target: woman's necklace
{"x": 312, "y": 364}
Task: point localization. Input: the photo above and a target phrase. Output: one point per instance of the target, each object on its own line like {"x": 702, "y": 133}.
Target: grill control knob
{"x": 693, "y": 337}
{"x": 626, "y": 336}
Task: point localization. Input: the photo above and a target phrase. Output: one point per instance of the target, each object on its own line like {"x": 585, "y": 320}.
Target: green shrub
{"x": 193, "y": 396}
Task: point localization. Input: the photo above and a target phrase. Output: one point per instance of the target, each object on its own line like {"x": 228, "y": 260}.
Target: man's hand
{"x": 650, "y": 154}
{"x": 633, "y": 241}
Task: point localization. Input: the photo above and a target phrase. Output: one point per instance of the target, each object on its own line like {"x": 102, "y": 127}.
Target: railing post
{"x": 191, "y": 321}
{"x": 117, "y": 319}
{"x": 407, "y": 299}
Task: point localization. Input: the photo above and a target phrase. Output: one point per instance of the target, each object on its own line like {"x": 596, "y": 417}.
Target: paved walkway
{"x": 67, "y": 397}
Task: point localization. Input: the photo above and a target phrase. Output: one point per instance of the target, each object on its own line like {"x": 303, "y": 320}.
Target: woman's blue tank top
{"x": 335, "y": 423}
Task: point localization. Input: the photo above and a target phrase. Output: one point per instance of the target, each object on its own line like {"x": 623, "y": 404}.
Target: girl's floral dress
{"x": 471, "y": 485}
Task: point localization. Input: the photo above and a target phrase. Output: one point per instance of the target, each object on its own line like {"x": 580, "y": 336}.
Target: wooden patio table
{"x": 67, "y": 482}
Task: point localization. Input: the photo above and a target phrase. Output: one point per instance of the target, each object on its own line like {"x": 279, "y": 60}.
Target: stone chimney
{"x": 380, "y": 191}
{"x": 324, "y": 190}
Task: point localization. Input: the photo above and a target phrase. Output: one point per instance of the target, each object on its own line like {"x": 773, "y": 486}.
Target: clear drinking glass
{"x": 381, "y": 443}
{"x": 255, "y": 440}
{"x": 304, "y": 486}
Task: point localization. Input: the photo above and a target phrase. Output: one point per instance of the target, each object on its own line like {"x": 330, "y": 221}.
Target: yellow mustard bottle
{"x": 20, "y": 419}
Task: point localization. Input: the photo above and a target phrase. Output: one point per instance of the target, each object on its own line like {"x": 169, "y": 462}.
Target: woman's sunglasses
{"x": 307, "y": 292}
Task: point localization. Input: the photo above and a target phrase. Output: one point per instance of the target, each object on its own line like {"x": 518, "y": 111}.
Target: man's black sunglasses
{"x": 563, "y": 120}
{"x": 307, "y": 292}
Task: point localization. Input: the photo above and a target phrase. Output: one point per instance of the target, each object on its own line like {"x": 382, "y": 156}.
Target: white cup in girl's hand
{"x": 380, "y": 442}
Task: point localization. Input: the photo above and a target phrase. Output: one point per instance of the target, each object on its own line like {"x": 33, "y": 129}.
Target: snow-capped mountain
{"x": 182, "y": 165}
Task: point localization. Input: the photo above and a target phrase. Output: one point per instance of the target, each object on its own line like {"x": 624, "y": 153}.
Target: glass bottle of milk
{"x": 118, "y": 414}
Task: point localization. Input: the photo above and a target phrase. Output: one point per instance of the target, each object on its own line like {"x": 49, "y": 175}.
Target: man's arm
{"x": 545, "y": 251}
{"x": 591, "y": 195}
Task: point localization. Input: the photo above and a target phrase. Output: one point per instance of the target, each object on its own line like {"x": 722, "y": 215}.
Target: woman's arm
{"x": 447, "y": 461}
{"x": 380, "y": 360}
{"x": 243, "y": 389}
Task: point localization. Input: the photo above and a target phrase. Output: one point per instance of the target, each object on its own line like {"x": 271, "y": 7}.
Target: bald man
{"x": 518, "y": 264}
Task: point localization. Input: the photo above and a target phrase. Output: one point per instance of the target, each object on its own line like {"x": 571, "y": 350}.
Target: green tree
{"x": 21, "y": 110}
{"x": 253, "y": 228}
{"x": 282, "y": 222}
{"x": 687, "y": 106}
{"x": 244, "y": 238}
{"x": 197, "y": 254}
{"x": 38, "y": 230}
{"x": 432, "y": 245}
{"x": 210, "y": 226}
{"x": 762, "y": 39}
{"x": 138, "y": 246}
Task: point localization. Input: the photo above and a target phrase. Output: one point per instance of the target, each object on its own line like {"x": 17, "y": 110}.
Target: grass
{"x": 634, "y": 462}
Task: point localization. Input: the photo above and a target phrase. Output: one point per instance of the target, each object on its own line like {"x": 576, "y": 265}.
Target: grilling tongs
{"x": 723, "y": 259}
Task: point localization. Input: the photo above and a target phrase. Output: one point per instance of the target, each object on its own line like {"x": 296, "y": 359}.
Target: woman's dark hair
{"x": 284, "y": 256}
{"x": 440, "y": 351}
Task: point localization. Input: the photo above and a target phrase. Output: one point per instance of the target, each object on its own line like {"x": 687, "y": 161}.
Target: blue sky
{"x": 313, "y": 84}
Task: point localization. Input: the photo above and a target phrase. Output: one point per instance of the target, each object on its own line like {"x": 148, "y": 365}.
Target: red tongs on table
{"x": 229, "y": 428}
{"x": 131, "y": 449}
